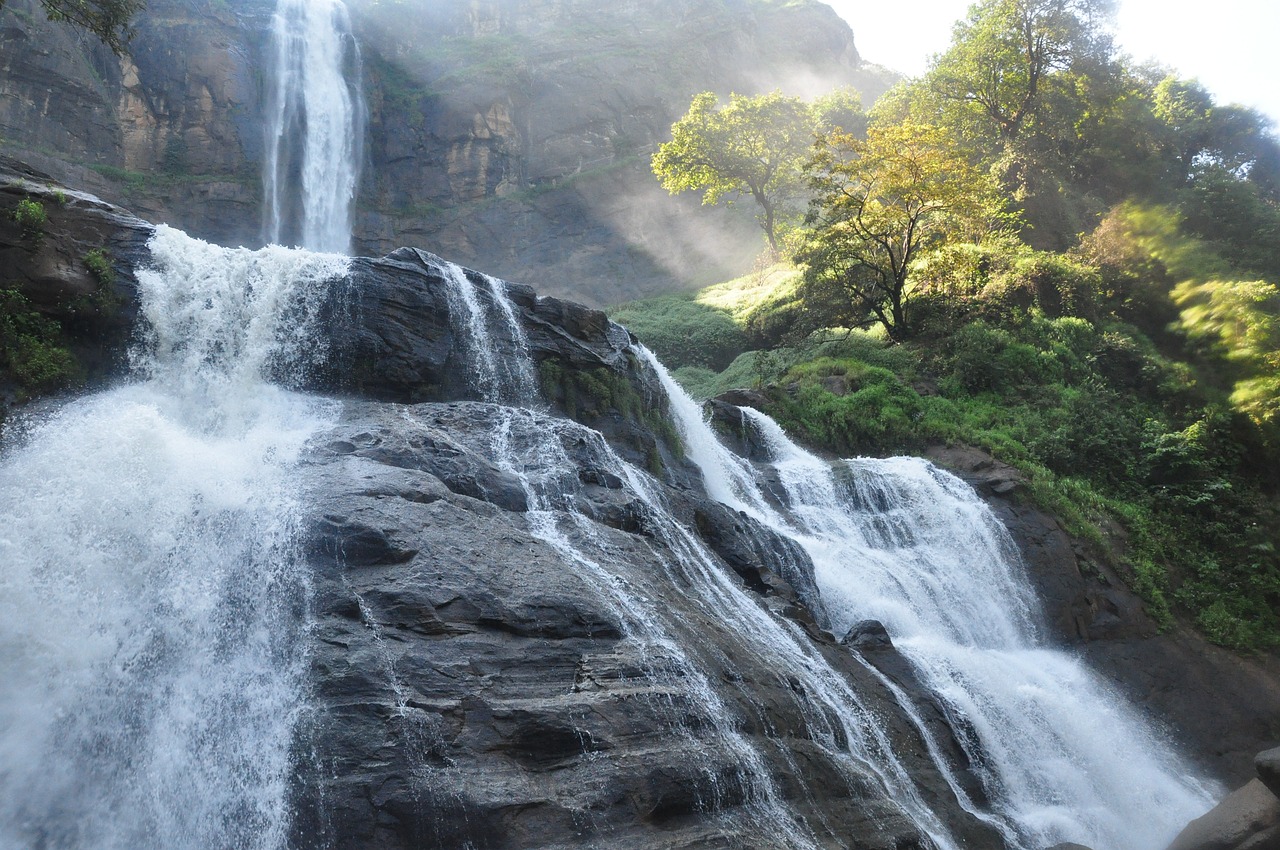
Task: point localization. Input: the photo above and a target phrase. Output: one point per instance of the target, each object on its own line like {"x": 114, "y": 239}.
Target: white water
{"x": 314, "y": 126}
{"x": 153, "y": 601}
{"x": 1062, "y": 756}
{"x": 500, "y": 374}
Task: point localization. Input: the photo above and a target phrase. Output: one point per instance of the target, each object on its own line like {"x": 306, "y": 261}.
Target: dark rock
{"x": 95, "y": 316}
{"x": 477, "y": 687}
{"x": 1248, "y": 819}
{"x": 867, "y": 635}
{"x": 1268, "y": 766}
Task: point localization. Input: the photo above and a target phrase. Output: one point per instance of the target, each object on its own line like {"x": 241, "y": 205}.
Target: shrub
{"x": 683, "y": 332}
{"x": 31, "y": 217}
{"x": 99, "y": 265}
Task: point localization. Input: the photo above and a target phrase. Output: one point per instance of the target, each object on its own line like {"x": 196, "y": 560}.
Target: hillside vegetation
{"x": 1043, "y": 250}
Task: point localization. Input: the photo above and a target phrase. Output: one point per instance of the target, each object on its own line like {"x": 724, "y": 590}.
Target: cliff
{"x": 510, "y": 135}
{"x": 563, "y": 652}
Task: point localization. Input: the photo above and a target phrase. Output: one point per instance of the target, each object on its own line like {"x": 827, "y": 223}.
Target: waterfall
{"x": 1060, "y": 754}
{"x": 153, "y": 598}
{"x": 499, "y": 373}
{"x": 314, "y": 127}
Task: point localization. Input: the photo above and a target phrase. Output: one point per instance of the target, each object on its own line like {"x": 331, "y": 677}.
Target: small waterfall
{"x": 314, "y": 127}
{"x": 838, "y": 722}
{"x": 1062, "y": 757}
{"x": 153, "y": 598}
{"x": 500, "y": 374}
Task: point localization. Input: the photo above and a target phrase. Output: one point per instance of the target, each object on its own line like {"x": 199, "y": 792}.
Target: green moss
{"x": 587, "y": 395}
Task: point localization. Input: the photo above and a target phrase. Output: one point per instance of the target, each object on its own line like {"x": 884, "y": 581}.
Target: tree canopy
{"x": 109, "y": 20}
{"x": 1004, "y": 53}
{"x": 753, "y": 146}
{"x": 879, "y": 202}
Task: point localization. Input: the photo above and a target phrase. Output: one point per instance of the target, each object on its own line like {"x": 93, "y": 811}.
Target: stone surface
{"x": 867, "y": 635}
{"x": 1268, "y": 766}
{"x": 475, "y": 687}
{"x": 1248, "y": 819}
{"x": 96, "y": 318}
{"x": 510, "y": 136}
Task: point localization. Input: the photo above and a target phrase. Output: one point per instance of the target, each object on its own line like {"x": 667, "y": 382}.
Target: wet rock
{"x": 1248, "y": 819}
{"x": 867, "y": 635}
{"x": 489, "y": 690}
{"x": 94, "y": 313}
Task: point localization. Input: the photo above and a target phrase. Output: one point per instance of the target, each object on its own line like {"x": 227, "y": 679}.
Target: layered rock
{"x": 478, "y": 686}
{"x": 513, "y": 136}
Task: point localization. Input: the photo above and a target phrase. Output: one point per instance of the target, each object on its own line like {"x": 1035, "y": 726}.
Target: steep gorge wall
{"x": 514, "y": 136}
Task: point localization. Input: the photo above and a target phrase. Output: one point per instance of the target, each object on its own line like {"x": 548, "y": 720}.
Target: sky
{"x": 1230, "y": 45}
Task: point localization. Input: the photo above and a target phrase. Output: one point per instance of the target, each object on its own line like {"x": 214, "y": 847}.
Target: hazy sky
{"x": 1229, "y": 44}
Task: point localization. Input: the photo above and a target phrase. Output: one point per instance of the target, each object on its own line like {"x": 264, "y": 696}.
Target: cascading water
{"x": 1060, "y": 755}
{"x": 511, "y": 378}
{"x": 845, "y": 729}
{"x": 314, "y": 128}
{"x": 153, "y": 598}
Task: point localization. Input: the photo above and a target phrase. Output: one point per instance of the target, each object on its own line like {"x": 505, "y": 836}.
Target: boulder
{"x": 1268, "y": 767}
{"x": 1248, "y": 819}
{"x": 867, "y": 634}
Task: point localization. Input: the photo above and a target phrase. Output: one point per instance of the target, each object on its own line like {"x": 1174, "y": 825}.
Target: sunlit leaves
{"x": 880, "y": 201}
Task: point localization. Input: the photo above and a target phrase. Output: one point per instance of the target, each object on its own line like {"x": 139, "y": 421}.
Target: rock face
{"x": 478, "y": 686}
{"x": 91, "y": 312}
{"x": 514, "y": 136}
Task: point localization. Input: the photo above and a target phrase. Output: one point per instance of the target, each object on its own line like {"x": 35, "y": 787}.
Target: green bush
{"x": 31, "y": 217}
{"x": 33, "y": 354}
{"x": 99, "y": 265}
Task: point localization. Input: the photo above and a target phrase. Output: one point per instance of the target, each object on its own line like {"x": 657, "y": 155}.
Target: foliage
{"x": 881, "y": 201}
{"x": 99, "y": 265}
{"x": 683, "y": 332}
{"x": 31, "y": 218}
{"x": 32, "y": 352}
{"x": 1005, "y": 54}
{"x": 109, "y": 20}
{"x": 1122, "y": 349}
{"x": 751, "y": 146}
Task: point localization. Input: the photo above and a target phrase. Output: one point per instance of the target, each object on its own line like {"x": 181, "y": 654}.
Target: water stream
{"x": 314, "y": 127}
{"x": 153, "y": 597}
{"x": 1060, "y": 754}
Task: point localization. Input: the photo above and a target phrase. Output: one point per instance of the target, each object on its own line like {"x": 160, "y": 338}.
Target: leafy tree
{"x": 109, "y": 20}
{"x": 1004, "y": 53}
{"x": 840, "y": 110}
{"x": 879, "y": 203}
{"x": 752, "y": 146}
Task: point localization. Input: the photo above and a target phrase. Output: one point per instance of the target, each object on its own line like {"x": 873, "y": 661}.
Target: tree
{"x": 1004, "y": 53}
{"x": 752, "y": 146}
{"x": 109, "y": 20}
{"x": 879, "y": 203}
